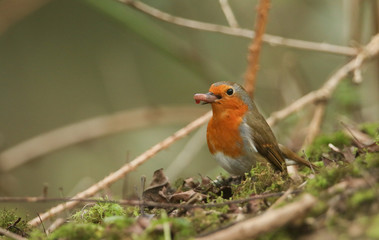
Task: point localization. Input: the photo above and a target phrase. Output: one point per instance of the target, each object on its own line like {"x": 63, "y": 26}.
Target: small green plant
{"x": 10, "y": 221}
{"x": 371, "y": 129}
{"x": 320, "y": 144}
{"x": 98, "y": 212}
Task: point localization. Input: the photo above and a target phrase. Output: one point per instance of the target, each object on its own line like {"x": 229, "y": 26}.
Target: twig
{"x": 325, "y": 92}
{"x": 120, "y": 173}
{"x": 11, "y": 234}
{"x": 90, "y": 129}
{"x": 229, "y": 15}
{"x": 239, "y": 32}
{"x": 266, "y": 222}
{"x": 145, "y": 203}
{"x": 315, "y": 125}
{"x": 43, "y": 225}
{"x": 255, "y": 47}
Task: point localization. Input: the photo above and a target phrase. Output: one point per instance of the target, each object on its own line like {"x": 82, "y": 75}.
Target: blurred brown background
{"x": 62, "y": 62}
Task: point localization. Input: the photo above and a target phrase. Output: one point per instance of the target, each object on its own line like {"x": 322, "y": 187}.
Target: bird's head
{"x": 225, "y": 96}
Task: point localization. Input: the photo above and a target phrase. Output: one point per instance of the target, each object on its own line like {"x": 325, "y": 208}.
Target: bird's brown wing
{"x": 265, "y": 141}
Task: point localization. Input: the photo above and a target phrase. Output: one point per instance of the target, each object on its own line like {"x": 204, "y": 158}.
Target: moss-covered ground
{"x": 345, "y": 185}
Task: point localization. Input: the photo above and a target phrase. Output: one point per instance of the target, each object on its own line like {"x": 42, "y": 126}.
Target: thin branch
{"x": 315, "y": 125}
{"x": 130, "y": 202}
{"x": 266, "y": 222}
{"x": 255, "y": 47}
{"x": 325, "y": 92}
{"x": 228, "y": 12}
{"x": 120, "y": 173}
{"x": 239, "y": 32}
{"x": 11, "y": 234}
{"x": 90, "y": 129}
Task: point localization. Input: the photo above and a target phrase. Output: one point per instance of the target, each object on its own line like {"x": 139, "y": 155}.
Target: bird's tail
{"x": 289, "y": 154}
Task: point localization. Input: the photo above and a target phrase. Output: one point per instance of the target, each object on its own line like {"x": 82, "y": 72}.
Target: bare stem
{"x": 228, "y": 12}
{"x": 255, "y": 47}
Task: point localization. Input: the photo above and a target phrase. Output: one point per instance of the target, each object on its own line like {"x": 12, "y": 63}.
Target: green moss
{"x": 326, "y": 178}
{"x": 262, "y": 178}
{"x": 118, "y": 221}
{"x": 12, "y": 222}
{"x": 205, "y": 220}
{"x": 114, "y": 226}
{"x": 176, "y": 228}
{"x": 372, "y": 160}
{"x": 98, "y": 212}
{"x": 37, "y": 234}
{"x": 362, "y": 197}
{"x": 371, "y": 129}
{"x": 78, "y": 231}
{"x": 320, "y": 144}
{"x": 132, "y": 211}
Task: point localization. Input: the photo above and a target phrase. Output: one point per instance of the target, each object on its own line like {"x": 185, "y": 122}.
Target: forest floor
{"x": 337, "y": 200}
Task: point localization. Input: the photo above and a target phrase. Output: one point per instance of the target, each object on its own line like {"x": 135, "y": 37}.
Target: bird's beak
{"x": 205, "y": 98}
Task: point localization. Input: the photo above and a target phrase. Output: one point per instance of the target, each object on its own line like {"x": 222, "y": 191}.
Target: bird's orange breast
{"x": 223, "y": 133}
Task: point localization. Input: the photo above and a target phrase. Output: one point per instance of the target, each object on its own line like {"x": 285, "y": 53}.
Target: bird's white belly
{"x": 234, "y": 166}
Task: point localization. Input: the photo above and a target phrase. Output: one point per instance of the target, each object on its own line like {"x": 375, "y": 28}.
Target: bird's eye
{"x": 229, "y": 91}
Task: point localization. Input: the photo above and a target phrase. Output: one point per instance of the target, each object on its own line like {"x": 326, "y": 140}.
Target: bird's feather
{"x": 264, "y": 139}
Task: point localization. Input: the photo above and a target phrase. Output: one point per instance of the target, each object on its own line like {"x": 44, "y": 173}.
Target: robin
{"x": 238, "y": 136}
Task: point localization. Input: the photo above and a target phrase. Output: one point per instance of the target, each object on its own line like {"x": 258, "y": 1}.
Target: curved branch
{"x": 120, "y": 173}
{"x": 91, "y": 129}
{"x": 239, "y": 32}
{"x": 325, "y": 92}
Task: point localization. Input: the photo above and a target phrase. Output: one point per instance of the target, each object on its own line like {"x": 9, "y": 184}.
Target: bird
{"x": 238, "y": 136}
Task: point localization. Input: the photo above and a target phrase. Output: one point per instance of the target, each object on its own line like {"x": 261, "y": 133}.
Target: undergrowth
{"x": 345, "y": 184}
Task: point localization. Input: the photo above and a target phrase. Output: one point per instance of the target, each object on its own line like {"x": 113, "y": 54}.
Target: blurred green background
{"x": 63, "y": 62}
